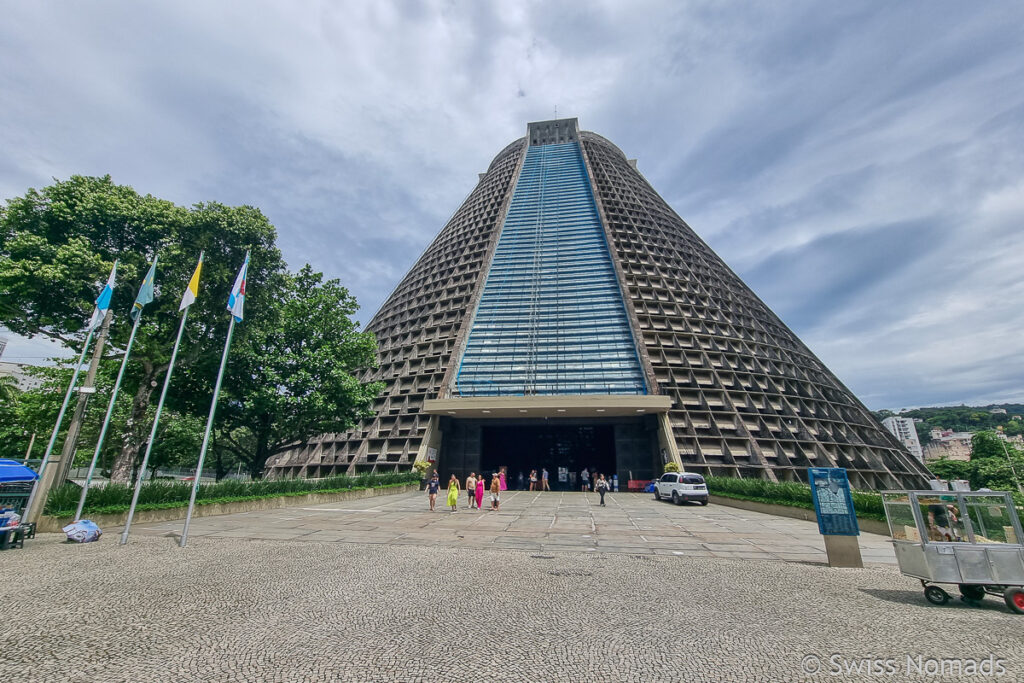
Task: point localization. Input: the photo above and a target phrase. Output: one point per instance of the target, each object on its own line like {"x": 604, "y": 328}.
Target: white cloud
{"x": 795, "y": 138}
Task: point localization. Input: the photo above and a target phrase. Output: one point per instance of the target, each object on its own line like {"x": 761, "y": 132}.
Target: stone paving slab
{"x": 630, "y": 523}
{"x": 237, "y": 610}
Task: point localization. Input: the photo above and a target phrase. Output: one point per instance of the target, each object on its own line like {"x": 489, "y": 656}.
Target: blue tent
{"x": 12, "y": 470}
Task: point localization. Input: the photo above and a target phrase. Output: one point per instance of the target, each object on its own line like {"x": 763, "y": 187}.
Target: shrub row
{"x": 867, "y": 504}
{"x": 114, "y": 498}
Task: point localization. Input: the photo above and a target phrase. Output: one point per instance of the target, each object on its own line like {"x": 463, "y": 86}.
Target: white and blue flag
{"x": 237, "y": 298}
{"x": 103, "y": 301}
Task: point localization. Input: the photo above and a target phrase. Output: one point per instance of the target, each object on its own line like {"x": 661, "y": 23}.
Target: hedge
{"x": 867, "y": 503}
{"x": 157, "y": 495}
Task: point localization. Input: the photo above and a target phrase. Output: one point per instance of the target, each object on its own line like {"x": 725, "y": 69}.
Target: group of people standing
{"x": 476, "y": 486}
{"x": 474, "y": 490}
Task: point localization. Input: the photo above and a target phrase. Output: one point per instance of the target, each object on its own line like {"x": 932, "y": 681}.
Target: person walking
{"x": 495, "y": 492}
{"x": 501, "y": 478}
{"x": 453, "y": 492}
{"x": 433, "y": 486}
{"x": 519, "y": 481}
{"x": 584, "y": 479}
{"x": 533, "y": 480}
{"x": 544, "y": 479}
{"x": 471, "y": 489}
{"x": 480, "y": 492}
{"x": 602, "y": 488}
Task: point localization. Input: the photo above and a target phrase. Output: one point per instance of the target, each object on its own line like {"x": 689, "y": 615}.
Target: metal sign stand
{"x": 837, "y": 520}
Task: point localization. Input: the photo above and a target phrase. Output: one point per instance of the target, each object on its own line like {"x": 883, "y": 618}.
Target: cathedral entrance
{"x": 626, "y": 447}
{"x": 538, "y": 447}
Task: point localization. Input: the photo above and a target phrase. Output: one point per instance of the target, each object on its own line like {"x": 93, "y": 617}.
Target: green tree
{"x": 295, "y": 377}
{"x": 57, "y": 246}
{"x": 8, "y": 389}
{"x": 953, "y": 469}
{"x": 986, "y": 445}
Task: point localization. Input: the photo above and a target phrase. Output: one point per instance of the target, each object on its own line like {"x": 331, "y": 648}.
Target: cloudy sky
{"x": 860, "y": 165}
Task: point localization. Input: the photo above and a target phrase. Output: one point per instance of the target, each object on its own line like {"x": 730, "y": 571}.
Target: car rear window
{"x": 692, "y": 479}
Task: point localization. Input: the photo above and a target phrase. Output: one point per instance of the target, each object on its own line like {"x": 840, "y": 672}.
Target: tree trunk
{"x": 138, "y": 429}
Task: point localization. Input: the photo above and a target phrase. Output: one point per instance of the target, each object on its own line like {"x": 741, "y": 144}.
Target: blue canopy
{"x": 12, "y": 470}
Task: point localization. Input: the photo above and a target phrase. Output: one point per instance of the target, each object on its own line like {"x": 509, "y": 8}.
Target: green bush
{"x": 164, "y": 494}
{"x": 867, "y": 503}
{"x": 671, "y": 467}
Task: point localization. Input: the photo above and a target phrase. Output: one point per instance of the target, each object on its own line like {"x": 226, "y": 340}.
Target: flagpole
{"x": 60, "y": 419}
{"x": 106, "y": 420}
{"x": 206, "y": 436}
{"x": 152, "y": 432}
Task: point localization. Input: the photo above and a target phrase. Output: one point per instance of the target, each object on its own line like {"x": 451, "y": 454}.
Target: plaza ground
{"x": 550, "y": 588}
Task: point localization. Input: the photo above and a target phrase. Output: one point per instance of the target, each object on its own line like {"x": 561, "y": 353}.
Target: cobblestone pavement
{"x": 229, "y": 609}
{"x": 631, "y": 523}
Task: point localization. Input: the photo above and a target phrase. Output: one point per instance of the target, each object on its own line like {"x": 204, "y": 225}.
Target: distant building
{"x": 3, "y": 345}
{"x": 17, "y": 371}
{"x": 997, "y": 411}
{"x": 1015, "y": 439}
{"x": 903, "y": 429}
{"x": 949, "y": 444}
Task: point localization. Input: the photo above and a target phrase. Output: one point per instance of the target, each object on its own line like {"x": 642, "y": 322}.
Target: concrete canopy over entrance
{"x": 599, "y": 405}
{"x": 620, "y": 435}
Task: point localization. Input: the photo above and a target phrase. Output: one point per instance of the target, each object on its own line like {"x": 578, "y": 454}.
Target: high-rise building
{"x": 903, "y": 429}
{"x": 566, "y": 317}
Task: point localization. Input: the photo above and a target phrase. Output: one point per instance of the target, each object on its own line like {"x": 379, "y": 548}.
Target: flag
{"x": 237, "y": 298}
{"x": 145, "y": 291}
{"x": 192, "y": 291}
{"x": 103, "y": 301}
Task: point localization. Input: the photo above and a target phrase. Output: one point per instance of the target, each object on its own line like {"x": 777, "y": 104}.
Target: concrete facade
{"x": 742, "y": 395}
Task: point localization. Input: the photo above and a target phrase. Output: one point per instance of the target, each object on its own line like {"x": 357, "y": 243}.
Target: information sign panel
{"x": 833, "y": 503}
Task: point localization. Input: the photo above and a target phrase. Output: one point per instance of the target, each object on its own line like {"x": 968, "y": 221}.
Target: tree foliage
{"x": 293, "y": 359}
{"x": 296, "y": 376}
{"x": 994, "y": 464}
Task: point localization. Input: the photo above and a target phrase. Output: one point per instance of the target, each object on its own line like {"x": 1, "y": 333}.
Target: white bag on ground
{"x": 83, "y": 531}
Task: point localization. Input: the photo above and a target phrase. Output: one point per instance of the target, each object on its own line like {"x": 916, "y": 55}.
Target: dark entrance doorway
{"x": 525, "y": 447}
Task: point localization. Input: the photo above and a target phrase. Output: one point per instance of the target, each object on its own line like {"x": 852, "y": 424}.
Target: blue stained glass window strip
{"x": 551, "y": 318}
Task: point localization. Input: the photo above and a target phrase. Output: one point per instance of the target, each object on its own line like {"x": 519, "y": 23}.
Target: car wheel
{"x": 936, "y": 595}
{"x": 704, "y": 502}
{"x": 1014, "y": 597}
{"x": 675, "y": 498}
{"x": 657, "y": 496}
{"x": 972, "y": 592}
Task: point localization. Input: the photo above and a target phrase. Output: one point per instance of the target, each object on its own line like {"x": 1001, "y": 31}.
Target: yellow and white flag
{"x": 192, "y": 291}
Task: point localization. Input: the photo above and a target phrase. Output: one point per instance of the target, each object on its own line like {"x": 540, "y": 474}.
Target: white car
{"x": 680, "y": 486}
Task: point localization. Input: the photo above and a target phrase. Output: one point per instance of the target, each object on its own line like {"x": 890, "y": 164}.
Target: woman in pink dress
{"x": 479, "y": 492}
{"x": 501, "y": 478}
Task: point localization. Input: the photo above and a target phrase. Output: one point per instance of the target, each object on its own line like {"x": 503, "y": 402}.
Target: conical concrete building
{"x": 566, "y": 317}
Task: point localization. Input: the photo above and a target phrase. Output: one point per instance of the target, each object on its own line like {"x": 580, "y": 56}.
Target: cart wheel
{"x": 936, "y": 595}
{"x": 972, "y": 592}
{"x": 1014, "y": 597}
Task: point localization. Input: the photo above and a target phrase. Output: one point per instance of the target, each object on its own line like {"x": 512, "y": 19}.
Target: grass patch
{"x": 164, "y": 495}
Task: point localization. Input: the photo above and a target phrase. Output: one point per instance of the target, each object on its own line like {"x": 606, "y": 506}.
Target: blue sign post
{"x": 833, "y": 506}
{"x": 833, "y": 503}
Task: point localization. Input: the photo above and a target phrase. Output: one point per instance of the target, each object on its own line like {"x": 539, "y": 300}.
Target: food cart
{"x": 971, "y": 539}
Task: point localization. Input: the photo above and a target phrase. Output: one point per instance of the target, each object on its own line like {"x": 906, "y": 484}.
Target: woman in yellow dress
{"x": 453, "y": 492}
